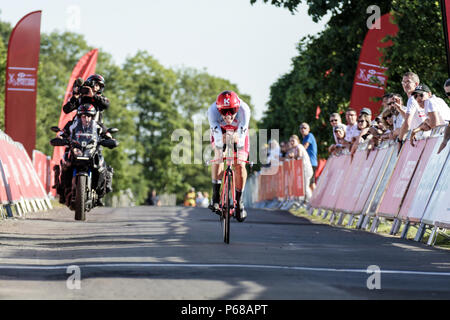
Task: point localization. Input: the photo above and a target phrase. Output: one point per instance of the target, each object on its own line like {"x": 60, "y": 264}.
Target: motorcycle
{"x": 83, "y": 159}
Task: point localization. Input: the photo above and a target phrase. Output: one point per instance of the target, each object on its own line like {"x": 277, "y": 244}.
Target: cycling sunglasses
{"x": 228, "y": 111}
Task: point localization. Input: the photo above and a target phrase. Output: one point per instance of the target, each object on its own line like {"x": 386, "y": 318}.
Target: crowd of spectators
{"x": 423, "y": 112}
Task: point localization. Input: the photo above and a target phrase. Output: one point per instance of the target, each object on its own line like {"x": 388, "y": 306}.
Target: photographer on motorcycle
{"x": 89, "y": 91}
{"x": 84, "y": 121}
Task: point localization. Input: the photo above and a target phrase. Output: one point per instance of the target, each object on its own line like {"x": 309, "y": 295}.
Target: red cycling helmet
{"x": 227, "y": 102}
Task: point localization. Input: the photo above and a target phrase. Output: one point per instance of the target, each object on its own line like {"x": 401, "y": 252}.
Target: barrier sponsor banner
{"x": 12, "y": 181}
{"x": 376, "y": 175}
{"x": 299, "y": 179}
{"x": 33, "y": 184}
{"x": 21, "y": 80}
{"x": 349, "y": 188}
{"x": 423, "y": 182}
{"x": 337, "y": 182}
{"x": 438, "y": 209}
{"x": 286, "y": 179}
{"x": 322, "y": 183}
{"x": 41, "y": 166}
{"x": 280, "y": 178}
{"x": 400, "y": 179}
{"x": 364, "y": 181}
{"x": 385, "y": 175}
{"x": 3, "y": 185}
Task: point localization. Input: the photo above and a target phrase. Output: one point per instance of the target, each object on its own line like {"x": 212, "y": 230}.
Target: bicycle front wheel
{"x": 227, "y": 209}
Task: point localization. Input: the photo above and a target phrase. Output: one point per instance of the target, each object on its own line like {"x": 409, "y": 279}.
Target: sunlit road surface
{"x": 178, "y": 253}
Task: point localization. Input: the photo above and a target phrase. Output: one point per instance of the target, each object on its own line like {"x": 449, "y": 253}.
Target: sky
{"x": 250, "y": 45}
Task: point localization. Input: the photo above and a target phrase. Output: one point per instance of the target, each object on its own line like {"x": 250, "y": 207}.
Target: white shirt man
{"x": 436, "y": 104}
{"x": 415, "y": 111}
{"x": 352, "y": 130}
{"x": 436, "y": 110}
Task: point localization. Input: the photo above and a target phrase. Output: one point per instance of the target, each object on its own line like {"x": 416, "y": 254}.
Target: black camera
{"x": 85, "y": 90}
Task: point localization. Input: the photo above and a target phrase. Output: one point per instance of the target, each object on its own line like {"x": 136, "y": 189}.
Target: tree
{"x": 419, "y": 45}
{"x": 322, "y": 73}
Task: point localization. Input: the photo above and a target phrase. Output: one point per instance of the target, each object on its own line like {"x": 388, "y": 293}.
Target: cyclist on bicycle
{"x": 229, "y": 118}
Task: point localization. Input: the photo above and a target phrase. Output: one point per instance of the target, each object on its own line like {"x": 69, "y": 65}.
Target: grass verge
{"x": 384, "y": 227}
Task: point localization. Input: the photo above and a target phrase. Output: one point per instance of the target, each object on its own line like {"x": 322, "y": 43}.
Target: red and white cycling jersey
{"x": 240, "y": 125}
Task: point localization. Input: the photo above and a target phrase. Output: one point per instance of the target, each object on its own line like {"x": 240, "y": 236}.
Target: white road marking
{"x": 195, "y": 265}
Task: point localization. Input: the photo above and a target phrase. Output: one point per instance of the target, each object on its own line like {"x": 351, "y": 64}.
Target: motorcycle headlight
{"x": 77, "y": 152}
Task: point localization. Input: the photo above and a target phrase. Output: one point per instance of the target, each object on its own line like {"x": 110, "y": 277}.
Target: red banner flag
{"x": 445, "y": 9}
{"x": 370, "y": 79}
{"x": 84, "y": 68}
{"x": 21, "y": 80}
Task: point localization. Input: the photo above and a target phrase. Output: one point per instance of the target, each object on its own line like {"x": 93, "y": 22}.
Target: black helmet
{"x": 87, "y": 109}
{"x": 96, "y": 78}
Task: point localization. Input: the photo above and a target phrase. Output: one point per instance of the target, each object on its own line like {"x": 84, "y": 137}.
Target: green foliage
{"x": 419, "y": 46}
{"x": 322, "y": 74}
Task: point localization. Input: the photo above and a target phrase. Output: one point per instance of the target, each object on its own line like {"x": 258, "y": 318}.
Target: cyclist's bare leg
{"x": 241, "y": 178}
{"x": 241, "y": 175}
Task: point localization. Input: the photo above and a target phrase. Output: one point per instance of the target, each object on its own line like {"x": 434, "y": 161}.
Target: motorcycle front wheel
{"x": 80, "y": 199}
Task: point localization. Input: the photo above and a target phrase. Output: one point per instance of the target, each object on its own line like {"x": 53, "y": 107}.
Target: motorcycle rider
{"x": 90, "y": 91}
{"x": 84, "y": 121}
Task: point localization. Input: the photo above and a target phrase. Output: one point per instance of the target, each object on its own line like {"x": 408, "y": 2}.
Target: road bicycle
{"x": 227, "y": 205}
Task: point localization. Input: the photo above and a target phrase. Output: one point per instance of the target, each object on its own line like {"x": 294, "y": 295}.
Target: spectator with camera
{"x": 339, "y": 133}
{"x": 89, "y": 91}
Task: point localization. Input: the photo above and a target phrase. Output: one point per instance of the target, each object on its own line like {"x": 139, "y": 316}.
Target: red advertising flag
{"x": 21, "y": 80}
{"x": 445, "y": 9}
{"x": 370, "y": 78}
{"x": 84, "y": 68}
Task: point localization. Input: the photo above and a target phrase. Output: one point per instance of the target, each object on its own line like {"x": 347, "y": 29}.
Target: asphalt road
{"x": 178, "y": 253}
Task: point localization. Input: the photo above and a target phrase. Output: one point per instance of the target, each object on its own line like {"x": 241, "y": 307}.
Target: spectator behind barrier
{"x": 414, "y": 114}
{"x": 395, "y": 103}
{"x": 339, "y": 133}
{"x": 436, "y": 110}
{"x": 284, "y": 147}
{"x": 447, "y": 130}
{"x": 202, "y": 201}
{"x": 189, "y": 200}
{"x": 310, "y": 144}
{"x": 273, "y": 156}
{"x": 296, "y": 152}
{"x": 351, "y": 130}
{"x": 364, "y": 134}
{"x": 335, "y": 119}
{"x": 387, "y": 119}
{"x": 367, "y": 112}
